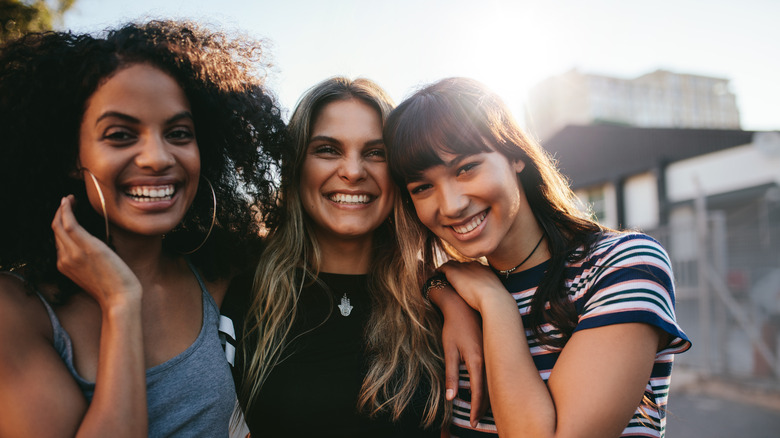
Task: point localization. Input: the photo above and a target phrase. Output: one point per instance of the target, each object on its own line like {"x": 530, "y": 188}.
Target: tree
{"x": 18, "y": 17}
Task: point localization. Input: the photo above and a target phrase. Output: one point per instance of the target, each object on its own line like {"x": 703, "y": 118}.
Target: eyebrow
{"x": 131, "y": 119}
{"x": 456, "y": 161}
{"x": 375, "y": 142}
{"x": 323, "y": 138}
{"x": 418, "y": 176}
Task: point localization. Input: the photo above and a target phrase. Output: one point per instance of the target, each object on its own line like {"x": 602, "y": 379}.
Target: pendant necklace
{"x": 345, "y": 307}
{"x": 509, "y": 271}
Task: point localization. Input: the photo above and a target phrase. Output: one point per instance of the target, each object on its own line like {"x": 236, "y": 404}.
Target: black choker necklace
{"x": 509, "y": 271}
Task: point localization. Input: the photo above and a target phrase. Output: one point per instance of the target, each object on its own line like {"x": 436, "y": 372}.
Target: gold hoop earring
{"x": 102, "y": 198}
{"x": 213, "y": 217}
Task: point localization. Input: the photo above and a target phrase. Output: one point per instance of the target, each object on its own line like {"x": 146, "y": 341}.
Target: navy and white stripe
{"x": 626, "y": 278}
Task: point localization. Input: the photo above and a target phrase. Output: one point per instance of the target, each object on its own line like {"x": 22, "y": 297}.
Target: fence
{"x": 727, "y": 275}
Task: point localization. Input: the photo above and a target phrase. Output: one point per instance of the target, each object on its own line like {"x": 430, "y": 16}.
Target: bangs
{"x": 427, "y": 125}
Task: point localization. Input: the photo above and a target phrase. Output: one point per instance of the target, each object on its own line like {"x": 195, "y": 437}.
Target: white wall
{"x": 640, "y": 195}
{"x": 732, "y": 169}
{"x": 683, "y": 239}
{"x": 607, "y": 191}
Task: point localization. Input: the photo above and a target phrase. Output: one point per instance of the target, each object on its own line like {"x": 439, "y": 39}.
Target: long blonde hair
{"x": 402, "y": 337}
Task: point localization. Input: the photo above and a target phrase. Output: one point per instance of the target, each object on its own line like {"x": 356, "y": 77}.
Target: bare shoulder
{"x": 22, "y": 312}
{"x": 218, "y": 289}
{"x": 37, "y": 394}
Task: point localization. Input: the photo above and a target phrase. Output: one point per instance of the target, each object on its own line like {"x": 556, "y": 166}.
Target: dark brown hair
{"x": 462, "y": 117}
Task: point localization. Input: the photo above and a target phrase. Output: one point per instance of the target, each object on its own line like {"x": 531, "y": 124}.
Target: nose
{"x": 452, "y": 201}
{"x": 352, "y": 168}
{"x": 155, "y": 154}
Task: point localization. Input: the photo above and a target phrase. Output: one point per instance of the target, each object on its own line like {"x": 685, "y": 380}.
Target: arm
{"x": 118, "y": 406}
{"x": 38, "y": 397}
{"x": 462, "y": 343}
{"x": 595, "y": 386}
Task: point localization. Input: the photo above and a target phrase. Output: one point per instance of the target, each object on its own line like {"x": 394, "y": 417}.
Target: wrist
{"x": 489, "y": 303}
{"x": 122, "y": 305}
{"x": 436, "y": 282}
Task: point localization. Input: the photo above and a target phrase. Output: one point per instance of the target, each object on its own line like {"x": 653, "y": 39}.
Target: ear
{"x": 518, "y": 165}
{"x": 75, "y": 171}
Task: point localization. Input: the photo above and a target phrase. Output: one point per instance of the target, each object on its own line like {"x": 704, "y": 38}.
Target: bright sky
{"x": 507, "y": 44}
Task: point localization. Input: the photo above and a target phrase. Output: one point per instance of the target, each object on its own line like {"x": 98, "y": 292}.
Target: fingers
{"x": 479, "y": 399}
{"x": 74, "y": 244}
{"x": 69, "y": 223}
{"x": 89, "y": 262}
{"x": 62, "y": 225}
{"x": 451, "y": 371}
{"x": 68, "y": 231}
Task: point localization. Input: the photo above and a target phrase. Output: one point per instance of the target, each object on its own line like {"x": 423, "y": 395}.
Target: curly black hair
{"x": 46, "y": 80}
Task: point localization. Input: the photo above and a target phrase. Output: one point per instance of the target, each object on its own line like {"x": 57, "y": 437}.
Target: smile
{"x": 343, "y": 198}
{"x": 151, "y": 193}
{"x": 470, "y": 225}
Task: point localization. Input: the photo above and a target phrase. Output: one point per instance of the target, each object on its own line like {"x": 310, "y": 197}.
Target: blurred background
{"x": 665, "y": 115}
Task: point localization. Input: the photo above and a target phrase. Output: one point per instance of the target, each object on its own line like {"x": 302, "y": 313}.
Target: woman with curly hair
{"x": 578, "y": 321}
{"x": 338, "y": 340}
{"x": 137, "y": 149}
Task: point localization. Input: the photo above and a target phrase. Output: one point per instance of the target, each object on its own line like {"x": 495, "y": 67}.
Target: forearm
{"x": 520, "y": 400}
{"x": 118, "y": 406}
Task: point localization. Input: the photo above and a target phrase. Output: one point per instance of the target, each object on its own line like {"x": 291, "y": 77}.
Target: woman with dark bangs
{"x": 148, "y": 153}
{"x": 589, "y": 353}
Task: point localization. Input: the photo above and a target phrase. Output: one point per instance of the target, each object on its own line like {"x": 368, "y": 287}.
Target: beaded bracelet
{"x": 438, "y": 281}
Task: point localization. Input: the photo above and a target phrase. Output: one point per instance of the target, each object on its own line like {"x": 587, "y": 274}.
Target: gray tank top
{"x": 190, "y": 395}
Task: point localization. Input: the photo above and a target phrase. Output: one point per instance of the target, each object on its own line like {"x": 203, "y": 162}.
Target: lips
{"x": 347, "y": 199}
{"x": 470, "y": 225}
{"x": 151, "y": 193}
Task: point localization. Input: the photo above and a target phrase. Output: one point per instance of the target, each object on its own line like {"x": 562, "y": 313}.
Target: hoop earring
{"x": 213, "y": 217}
{"x": 102, "y": 198}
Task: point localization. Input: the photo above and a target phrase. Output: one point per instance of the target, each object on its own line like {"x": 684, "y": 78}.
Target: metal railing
{"x": 728, "y": 293}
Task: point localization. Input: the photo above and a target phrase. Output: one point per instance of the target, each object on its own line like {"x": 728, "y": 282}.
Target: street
{"x": 698, "y": 414}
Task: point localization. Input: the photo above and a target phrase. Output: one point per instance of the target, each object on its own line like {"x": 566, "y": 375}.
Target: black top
{"x": 313, "y": 391}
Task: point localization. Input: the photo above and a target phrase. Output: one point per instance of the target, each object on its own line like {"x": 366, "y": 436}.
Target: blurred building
{"x": 712, "y": 197}
{"x": 657, "y": 99}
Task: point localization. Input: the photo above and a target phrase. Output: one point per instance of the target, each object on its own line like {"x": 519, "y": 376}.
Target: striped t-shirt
{"x": 626, "y": 278}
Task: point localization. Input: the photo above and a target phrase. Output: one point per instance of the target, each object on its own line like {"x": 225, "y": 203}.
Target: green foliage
{"x": 18, "y": 17}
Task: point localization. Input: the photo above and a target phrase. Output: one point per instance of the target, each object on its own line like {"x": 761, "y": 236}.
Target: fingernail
{"x": 449, "y": 394}
{"x": 474, "y": 424}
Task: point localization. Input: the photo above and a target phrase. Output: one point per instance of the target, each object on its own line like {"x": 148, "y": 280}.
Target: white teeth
{"x": 151, "y": 193}
{"x": 343, "y": 198}
{"x": 474, "y": 223}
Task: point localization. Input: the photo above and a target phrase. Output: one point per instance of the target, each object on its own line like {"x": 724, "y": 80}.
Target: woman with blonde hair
{"x": 338, "y": 340}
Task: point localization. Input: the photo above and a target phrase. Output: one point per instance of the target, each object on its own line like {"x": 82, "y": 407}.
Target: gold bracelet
{"x": 438, "y": 281}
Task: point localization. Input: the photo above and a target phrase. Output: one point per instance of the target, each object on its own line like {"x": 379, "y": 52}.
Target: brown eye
{"x": 118, "y": 136}
{"x": 466, "y": 167}
{"x": 180, "y": 135}
{"x": 325, "y": 149}
{"x": 378, "y": 154}
{"x": 416, "y": 190}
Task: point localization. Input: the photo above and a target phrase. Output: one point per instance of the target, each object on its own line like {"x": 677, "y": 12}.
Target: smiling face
{"x": 473, "y": 202}
{"x": 137, "y": 137}
{"x": 345, "y": 186}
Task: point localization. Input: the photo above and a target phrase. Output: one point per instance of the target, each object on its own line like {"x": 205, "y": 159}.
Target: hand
{"x": 474, "y": 282}
{"x": 89, "y": 262}
{"x": 462, "y": 342}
